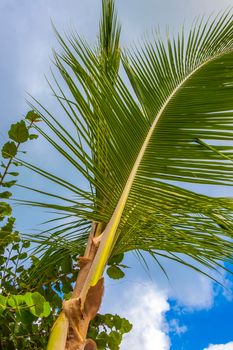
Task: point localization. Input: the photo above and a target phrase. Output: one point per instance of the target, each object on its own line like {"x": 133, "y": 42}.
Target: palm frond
{"x": 188, "y": 93}
{"x": 131, "y": 149}
{"x": 109, "y": 40}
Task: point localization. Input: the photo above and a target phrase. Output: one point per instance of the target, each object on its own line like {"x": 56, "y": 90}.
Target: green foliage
{"x": 19, "y": 132}
{"x": 182, "y": 93}
{"x": 116, "y": 259}
{"x": 115, "y": 272}
{"x": 27, "y": 308}
{"x": 33, "y": 117}
{"x": 109, "y": 41}
{"x": 130, "y": 148}
{"x": 38, "y": 305}
{"x": 22, "y": 311}
{"x": 29, "y": 302}
{"x": 9, "y": 183}
{"x": 35, "y": 303}
{"x": 9, "y": 150}
{"x": 5, "y": 194}
{"x": 115, "y": 267}
{"x": 107, "y": 330}
{"x": 5, "y": 209}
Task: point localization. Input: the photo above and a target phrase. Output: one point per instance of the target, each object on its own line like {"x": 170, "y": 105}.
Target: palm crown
{"x": 132, "y": 139}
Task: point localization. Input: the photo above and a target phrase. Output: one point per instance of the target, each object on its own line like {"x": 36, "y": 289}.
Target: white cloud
{"x": 146, "y": 310}
{"x": 175, "y": 327}
{"x": 144, "y": 306}
{"x": 228, "y": 346}
{"x": 194, "y": 293}
{"x": 190, "y": 290}
{"x": 145, "y": 303}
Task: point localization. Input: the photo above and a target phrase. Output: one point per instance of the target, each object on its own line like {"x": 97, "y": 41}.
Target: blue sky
{"x": 189, "y": 312}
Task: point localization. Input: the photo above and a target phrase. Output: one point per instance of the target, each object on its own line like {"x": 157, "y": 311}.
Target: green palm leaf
{"x": 129, "y": 147}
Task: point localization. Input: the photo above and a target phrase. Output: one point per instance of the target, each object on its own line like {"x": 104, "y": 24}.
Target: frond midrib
{"x": 125, "y": 193}
{"x": 109, "y": 236}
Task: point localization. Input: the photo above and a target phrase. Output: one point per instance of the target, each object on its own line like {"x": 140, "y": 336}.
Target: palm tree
{"x": 135, "y": 143}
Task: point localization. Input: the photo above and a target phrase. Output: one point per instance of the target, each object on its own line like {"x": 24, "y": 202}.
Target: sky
{"x": 188, "y": 311}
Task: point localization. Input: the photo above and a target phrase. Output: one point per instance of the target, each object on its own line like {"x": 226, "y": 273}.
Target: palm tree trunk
{"x": 70, "y": 329}
{"x": 87, "y": 295}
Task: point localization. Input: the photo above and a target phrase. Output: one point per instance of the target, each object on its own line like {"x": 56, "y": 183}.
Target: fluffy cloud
{"x": 228, "y": 346}
{"x": 195, "y": 293}
{"x": 145, "y": 303}
{"x": 190, "y": 290}
{"x": 146, "y": 311}
{"x": 145, "y": 306}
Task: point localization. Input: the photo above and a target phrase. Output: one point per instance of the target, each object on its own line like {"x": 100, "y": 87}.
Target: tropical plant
{"x": 24, "y": 313}
{"x": 135, "y": 142}
{"x": 28, "y": 310}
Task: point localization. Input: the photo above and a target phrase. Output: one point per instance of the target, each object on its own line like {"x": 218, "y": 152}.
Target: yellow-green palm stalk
{"x": 135, "y": 143}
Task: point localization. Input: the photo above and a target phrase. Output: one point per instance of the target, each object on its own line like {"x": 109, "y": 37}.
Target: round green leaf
{"x": 37, "y": 304}
{"x": 5, "y": 209}
{"x": 26, "y": 244}
{"x": 117, "y": 322}
{"x": 18, "y": 132}
{"x": 116, "y": 259}
{"x": 114, "y": 340}
{"x": 9, "y": 183}
{"x": 92, "y": 332}
{"x": 126, "y": 326}
{"x": 9, "y": 150}
{"x": 5, "y": 194}
{"x": 102, "y": 340}
{"x": 32, "y": 116}
{"x": 16, "y": 300}
{"x": 115, "y": 272}
{"x": 108, "y": 320}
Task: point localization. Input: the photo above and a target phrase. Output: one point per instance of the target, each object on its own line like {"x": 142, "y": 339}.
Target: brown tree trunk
{"x": 80, "y": 312}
